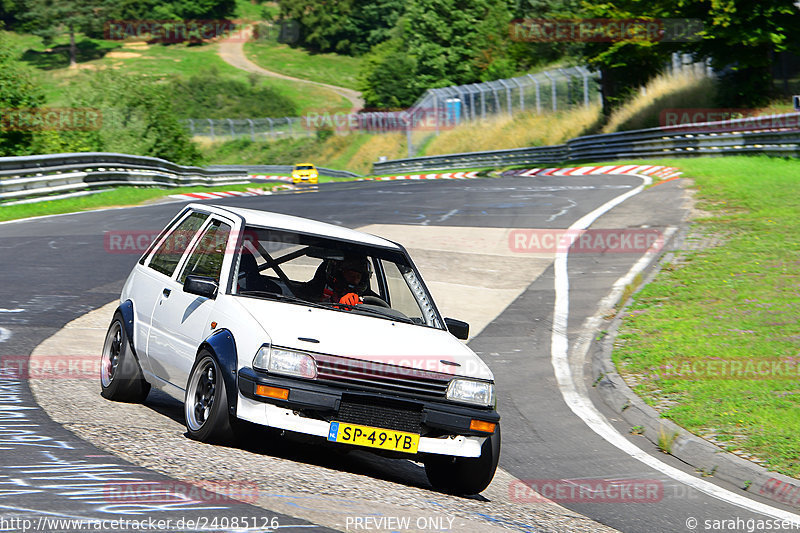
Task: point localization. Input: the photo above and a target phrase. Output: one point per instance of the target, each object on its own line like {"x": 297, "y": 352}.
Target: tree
{"x": 344, "y": 26}
{"x": 742, "y": 37}
{"x": 438, "y": 43}
{"x": 386, "y": 77}
{"x": 18, "y": 90}
{"x": 631, "y": 62}
{"x": 138, "y": 117}
{"x": 51, "y": 18}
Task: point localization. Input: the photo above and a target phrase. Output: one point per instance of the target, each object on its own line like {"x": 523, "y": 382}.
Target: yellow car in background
{"x": 305, "y": 173}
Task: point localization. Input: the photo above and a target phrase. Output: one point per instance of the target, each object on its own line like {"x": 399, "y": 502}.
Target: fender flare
{"x": 223, "y": 348}
{"x": 126, "y": 310}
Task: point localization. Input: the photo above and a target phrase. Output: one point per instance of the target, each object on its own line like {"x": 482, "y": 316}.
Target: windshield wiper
{"x": 278, "y": 296}
{"x": 361, "y": 308}
{"x": 328, "y": 305}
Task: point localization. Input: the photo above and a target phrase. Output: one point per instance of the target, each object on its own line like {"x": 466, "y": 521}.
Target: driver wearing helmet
{"x": 346, "y": 281}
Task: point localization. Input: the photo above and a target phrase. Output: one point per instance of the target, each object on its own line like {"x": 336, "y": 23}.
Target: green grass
{"x": 737, "y": 301}
{"x": 121, "y": 196}
{"x": 250, "y": 11}
{"x": 155, "y": 61}
{"x": 332, "y": 69}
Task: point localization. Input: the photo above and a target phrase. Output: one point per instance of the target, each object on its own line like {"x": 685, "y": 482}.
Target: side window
{"x": 209, "y": 252}
{"x": 172, "y": 248}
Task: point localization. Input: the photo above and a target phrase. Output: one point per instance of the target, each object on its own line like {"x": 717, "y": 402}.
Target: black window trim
{"x": 196, "y": 242}
{"x": 189, "y": 246}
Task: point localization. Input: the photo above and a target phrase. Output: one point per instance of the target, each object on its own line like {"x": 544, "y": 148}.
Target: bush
{"x": 207, "y": 95}
{"x": 138, "y": 117}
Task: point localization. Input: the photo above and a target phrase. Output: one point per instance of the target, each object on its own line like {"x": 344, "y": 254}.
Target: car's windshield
{"x": 304, "y": 167}
{"x": 339, "y": 275}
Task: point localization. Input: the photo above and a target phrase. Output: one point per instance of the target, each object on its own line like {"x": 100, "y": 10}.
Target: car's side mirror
{"x": 201, "y": 286}
{"x": 458, "y": 328}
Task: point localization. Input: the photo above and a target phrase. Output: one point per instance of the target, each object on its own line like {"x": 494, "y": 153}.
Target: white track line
{"x": 582, "y": 406}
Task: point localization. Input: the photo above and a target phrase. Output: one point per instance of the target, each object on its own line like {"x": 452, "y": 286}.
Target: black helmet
{"x": 357, "y": 263}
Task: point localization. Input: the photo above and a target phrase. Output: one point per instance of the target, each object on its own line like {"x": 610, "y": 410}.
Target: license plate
{"x": 385, "y": 439}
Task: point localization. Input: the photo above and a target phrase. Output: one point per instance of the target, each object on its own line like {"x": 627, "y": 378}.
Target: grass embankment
{"x": 713, "y": 342}
{"x": 354, "y": 152}
{"x": 332, "y": 69}
{"x": 118, "y": 197}
{"x": 157, "y": 61}
{"x": 519, "y": 131}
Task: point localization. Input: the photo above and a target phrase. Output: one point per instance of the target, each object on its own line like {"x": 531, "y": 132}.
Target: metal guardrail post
{"x": 436, "y": 109}
{"x": 252, "y": 130}
{"x": 585, "y": 75}
{"x": 521, "y": 94}
{"x": 211, "y": 124}
{"x": 553, "y": 90}
{"x": 508, "y": 96}
{"x": 538, "y": 94}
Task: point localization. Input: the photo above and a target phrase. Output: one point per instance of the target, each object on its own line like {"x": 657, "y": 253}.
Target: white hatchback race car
{"x": 306, "y": 327}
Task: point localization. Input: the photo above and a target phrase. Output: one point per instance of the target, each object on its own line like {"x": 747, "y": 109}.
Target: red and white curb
{"x": 287, "y": 179}
{"x": 444, "y": 176}
{"x": 218, "y": 194}
{"x": 646, "y": 170}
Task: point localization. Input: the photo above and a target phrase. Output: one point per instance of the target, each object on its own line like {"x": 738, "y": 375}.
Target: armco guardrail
{"x": 515, "y": 156}
{"x": 777, "y": 135}
{"x": 22, "y": 177}
{"x": 285, "y": 169}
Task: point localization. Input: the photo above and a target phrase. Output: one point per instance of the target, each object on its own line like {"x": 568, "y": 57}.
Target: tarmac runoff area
{"x": 342, "y": 491}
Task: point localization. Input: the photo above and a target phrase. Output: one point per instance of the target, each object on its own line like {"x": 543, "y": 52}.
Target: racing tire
{"x": 206, "y": 403}
{"x": 121, "y": 377}
{"x": 465, "y": 475}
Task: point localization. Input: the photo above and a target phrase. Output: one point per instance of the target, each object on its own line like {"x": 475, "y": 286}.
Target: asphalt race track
{"x": 56, "y": 269}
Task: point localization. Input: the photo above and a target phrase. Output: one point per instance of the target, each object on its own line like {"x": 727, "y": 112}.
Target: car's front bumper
{"x": 449, "y": 423}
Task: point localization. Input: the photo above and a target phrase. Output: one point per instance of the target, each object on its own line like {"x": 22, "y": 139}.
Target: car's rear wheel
{"x": 206, "y": 403}
{"x": 121, "y": 377}
{"x": 465, "y": 475}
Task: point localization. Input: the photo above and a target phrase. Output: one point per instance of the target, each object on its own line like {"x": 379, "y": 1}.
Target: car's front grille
{"x": 390, "y": 378}
{"x": 389, "y": 416}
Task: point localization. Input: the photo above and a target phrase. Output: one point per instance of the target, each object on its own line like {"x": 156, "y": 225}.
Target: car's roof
{"x": 309, "y": 164}
{"x": 304, "y": 225}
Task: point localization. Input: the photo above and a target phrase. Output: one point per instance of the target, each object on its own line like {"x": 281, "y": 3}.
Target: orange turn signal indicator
{"x": 272, "y": 392}
{"x": 480, "y": 425}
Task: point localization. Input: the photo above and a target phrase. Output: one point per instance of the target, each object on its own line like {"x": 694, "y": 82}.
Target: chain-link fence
{"x": 553, "y": 90}
{"x": 252, "y": 128}
{"x": 437, "y": 109}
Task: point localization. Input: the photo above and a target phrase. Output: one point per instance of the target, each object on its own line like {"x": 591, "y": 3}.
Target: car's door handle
{"x": 166, "y": 293}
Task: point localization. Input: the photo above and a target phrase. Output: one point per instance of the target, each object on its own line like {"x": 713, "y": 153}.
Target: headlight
{"x": 288, "y": 362}
{"x": 470, "y": 391}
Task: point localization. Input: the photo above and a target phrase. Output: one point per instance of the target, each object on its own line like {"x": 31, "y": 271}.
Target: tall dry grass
{"x": 519, "y": 131}
{"x": 664, "y": 92}
{"x": 357, "y": 153}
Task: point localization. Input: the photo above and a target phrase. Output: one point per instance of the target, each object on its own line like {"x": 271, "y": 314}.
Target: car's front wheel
{"x": 465, "y": 475}
{"x": 121, "y": 377}
{"x": 206, "y": 403}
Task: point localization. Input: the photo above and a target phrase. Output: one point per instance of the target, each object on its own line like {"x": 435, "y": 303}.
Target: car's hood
{"x": 350, "y": 334}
